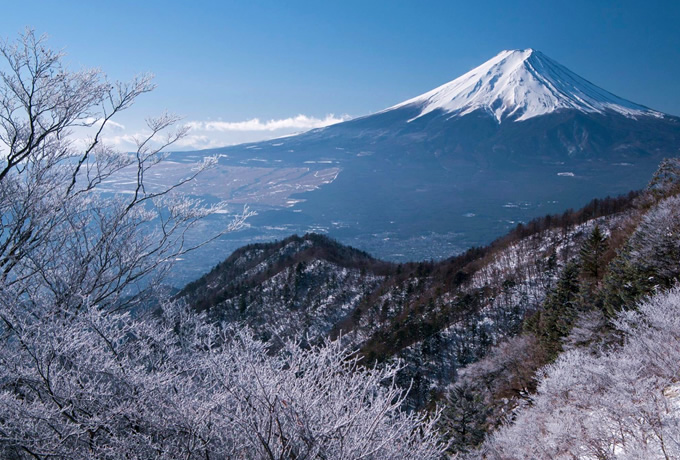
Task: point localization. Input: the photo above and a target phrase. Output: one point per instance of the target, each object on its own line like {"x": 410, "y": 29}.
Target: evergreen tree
{"x": 465, "y": 418}
{"x": 560, "y": 310}
{"x": 591, "y": 253}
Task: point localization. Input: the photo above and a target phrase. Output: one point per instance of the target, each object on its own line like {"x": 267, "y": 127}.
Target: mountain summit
{"x": 522, "y": 84}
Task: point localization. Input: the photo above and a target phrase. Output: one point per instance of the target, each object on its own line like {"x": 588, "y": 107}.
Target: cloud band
{"x": 300, "y": 122}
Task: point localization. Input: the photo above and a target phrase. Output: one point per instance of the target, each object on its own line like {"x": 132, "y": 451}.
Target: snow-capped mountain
{"x": 517, "y": 105}
{"x": 522, "y": 84}
{"x": 518, "y": 137}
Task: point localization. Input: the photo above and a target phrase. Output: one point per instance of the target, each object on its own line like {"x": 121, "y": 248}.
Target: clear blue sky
{"x": 234, "y": 61}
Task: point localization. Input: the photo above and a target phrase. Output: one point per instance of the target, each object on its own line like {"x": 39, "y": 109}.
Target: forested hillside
{"x": 472, "y": 331}
{"x": 588, "y": 327}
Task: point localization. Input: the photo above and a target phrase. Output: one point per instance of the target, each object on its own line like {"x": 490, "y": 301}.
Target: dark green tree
{"x": 465, "y": 418}
{"x": 592, "y": 255}
{"x": 560, "y": 310}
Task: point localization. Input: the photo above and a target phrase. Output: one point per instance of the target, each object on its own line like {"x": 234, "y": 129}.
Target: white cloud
{"x": 213, "y": 134}
{"x": 300, "y": 122}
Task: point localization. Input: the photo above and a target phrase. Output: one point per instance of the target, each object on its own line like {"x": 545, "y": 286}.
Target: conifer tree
{"x": 465, "y": 417}
{"x": 560, "y": 310}
{"x": 591, "y": 253}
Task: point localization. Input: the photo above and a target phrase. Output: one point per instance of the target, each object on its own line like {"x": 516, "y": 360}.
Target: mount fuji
{"x": 519, "y": 85}
{"x": 518, "y": 137}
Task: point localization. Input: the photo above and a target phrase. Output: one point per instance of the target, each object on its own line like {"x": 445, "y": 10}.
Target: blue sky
{"x": 298, "y": 62}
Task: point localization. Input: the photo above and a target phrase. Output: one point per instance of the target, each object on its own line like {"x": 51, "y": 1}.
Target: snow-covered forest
{"x": 618, "y": 403}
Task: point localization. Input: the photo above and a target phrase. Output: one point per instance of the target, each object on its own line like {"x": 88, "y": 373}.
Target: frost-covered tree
{"x": 174, "y": 386}
{"x": 666, "y": 179}
{"x": 62, "y": 242}
{"x": 81, "y": 376}
{"x": 650, "y": 259}
{"x": 619, "y": 404}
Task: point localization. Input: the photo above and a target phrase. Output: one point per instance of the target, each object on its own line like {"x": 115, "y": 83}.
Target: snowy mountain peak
{"x": 522, "y": 84}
